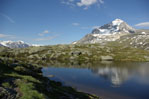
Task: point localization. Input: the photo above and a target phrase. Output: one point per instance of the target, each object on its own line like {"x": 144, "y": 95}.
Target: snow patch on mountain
{"x": 16, "y": 44}
{"x": 115, "y": 26}
{"x": 35, "y": 45}
{"x": 137, "y": 40}
{"x": 108, "y": 32}
{"x": 117, "y": 22}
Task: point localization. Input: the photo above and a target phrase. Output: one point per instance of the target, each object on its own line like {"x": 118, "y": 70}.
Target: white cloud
{"x": 87, "y": 3}
{"x": 94, "y": 27}
{"x": 143, "y": 24}
{"x": 43, "y": 33}
{"x": 3, "y": 35}
{"x": 7, "y": 17}
{"x": 90, "y": 27}
{"x": 75, "y": 24}
{"x": 68, "y": 2}
{"x": 6, "y": 36}
{"x": 101, "y": 1}
{"x": 80, "y": 3}
{"x": 46, "y": 38}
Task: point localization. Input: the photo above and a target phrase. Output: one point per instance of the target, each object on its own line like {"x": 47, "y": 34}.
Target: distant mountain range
{"x": 15, "y": 44}
{"x": 117, "y": 31}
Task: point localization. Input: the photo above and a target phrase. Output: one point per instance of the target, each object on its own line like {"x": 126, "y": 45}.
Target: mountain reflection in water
{"x": 123, "y": 79}
{"x": 118, "y": 75}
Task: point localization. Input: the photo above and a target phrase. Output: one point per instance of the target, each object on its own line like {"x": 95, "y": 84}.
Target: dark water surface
{"x": 110, "y": 80}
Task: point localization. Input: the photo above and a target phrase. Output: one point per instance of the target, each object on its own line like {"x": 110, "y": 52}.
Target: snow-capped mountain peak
{"x": 108, "y": 32}
{"x": 16, "y": 44}
{"x": 117, "y": 22}
{"x": 114, "y": 27}
{"x": 21, "y": 41}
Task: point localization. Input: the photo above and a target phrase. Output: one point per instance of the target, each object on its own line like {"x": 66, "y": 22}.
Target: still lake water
{"x": 109, "y": 80}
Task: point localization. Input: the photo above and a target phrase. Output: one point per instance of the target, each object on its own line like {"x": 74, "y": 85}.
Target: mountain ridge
{"x": 114, "y": 31}
{"x": 116, "y": 25}
{"x": 15, "y": 44}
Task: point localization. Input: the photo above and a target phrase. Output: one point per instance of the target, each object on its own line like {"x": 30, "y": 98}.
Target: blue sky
{"x": 49, "y": 22}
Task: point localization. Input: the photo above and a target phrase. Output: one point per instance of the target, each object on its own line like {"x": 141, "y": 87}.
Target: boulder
{"x": 107, "y": 58}
{"x": 146, "y": 58}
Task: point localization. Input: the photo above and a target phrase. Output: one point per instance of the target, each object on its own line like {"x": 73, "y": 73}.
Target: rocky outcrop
{"x": 6, "y": 93}
{"x": 107, "y": 58}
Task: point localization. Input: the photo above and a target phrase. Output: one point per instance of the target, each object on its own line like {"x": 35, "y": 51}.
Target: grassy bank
{"x": 25, "y": 81}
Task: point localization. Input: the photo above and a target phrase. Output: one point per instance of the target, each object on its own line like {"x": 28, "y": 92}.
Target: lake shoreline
{"x": 25, "y": 62}
{"x": 117, "y": 80}
{"x": 19, "y": 80}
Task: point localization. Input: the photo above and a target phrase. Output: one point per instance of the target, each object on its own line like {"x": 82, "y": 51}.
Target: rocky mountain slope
{"x": 108, "y": 32}
{"x": 138, "y": 40}
{"x": 120, "y": 32}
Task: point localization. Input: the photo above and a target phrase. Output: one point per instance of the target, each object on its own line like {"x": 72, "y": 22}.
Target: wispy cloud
{"x": 68, "y": 2}
{"x": 7, "y": 17}
{"x": 6, "y": 36}
{"x": 90, "y": 27}
{"x": 75, "y": 24}
{"x": 84, "y": 27}
{"x": 82, "y": 3}
{"x": 46, "y": 35}
{"x": 46, "y": 38}
{"x": 94, "y": 27}
{"x": 143, "y": 24}
{"x": 43, "y": 33}
{"x": 87, "y": 3}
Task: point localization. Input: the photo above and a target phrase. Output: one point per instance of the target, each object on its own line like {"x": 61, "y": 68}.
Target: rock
{"x": 88, "y": 53}
{"x": 50, "y": 76}
{"x": 107, "y": 58}
{"x": 31, "y": 57}
{"x": 7, "y": 93}
{"x": 75, "y": 53}
{"x": 147, "y": 48}
{"x": 146, "y": 58}
{"x": 72, "y": 58}
{"x": 14, "y": 64}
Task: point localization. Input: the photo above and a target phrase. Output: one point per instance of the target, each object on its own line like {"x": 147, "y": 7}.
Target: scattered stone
{"x": 50, "y": 76}
{"x": 107, "y": 58}
{"x": 6, "y": 93}
{"x": 146, "y": 58}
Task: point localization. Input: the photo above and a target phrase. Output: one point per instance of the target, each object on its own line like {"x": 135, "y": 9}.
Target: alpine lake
{"x": 106, "y": 79}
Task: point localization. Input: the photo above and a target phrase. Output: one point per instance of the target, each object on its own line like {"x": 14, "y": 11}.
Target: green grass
{"x": 28, "y": 90}
{"x": 28, "y": 83}
{"x": 6, "y": 85}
